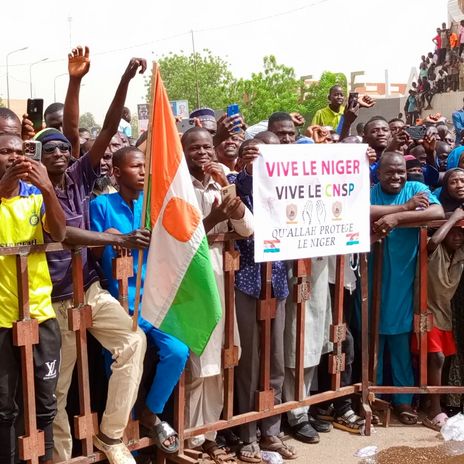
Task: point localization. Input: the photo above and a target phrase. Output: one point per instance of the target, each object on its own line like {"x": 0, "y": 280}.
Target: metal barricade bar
{"x": 31, "y": 446}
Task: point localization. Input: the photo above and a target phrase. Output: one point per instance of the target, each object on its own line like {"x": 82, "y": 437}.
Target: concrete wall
{"x": 444, "y": 103}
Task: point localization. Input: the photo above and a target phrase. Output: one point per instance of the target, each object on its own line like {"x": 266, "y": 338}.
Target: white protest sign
{"x": 311, "y": 200}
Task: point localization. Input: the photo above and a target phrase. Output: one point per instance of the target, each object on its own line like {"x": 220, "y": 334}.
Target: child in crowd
{"x": 120, "y": 213}
{"x": 446, "y": 263}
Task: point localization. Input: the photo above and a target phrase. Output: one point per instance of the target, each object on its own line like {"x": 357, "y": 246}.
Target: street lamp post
{"x": 54, "y": 84}
{"x": 30, "y": 72}
{"x": 7, "y": 76}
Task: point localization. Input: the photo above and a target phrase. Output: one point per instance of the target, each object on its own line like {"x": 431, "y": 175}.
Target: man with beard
{"x": 396, "y": 201}
{"x": 106, "y": 183}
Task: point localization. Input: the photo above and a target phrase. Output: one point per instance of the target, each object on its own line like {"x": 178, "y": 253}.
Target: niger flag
{"x": 180, "y": 296}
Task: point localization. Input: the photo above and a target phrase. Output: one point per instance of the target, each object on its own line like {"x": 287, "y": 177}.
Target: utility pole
{"x": 8, "y": 76}
{"x": 195, "y": 70}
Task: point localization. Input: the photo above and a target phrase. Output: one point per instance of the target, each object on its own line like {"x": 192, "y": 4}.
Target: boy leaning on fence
{"x": 445, "y": 265}
{"x": 28, "y": 206}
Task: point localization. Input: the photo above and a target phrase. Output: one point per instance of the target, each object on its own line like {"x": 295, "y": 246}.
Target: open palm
{"x": 78, "y": 62}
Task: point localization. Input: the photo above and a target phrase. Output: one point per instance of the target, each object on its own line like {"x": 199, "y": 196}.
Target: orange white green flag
{"x": 180, "y": 295}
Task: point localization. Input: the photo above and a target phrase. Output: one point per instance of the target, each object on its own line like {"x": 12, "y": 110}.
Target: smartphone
{"x": 228, "y": 192}
{"x": 32, "y": 149}
{"x": 35, "y": 112}
{"x": 416, "y": 132}
{"x": 232, "y": 110}
{"x": 353, "y": 98}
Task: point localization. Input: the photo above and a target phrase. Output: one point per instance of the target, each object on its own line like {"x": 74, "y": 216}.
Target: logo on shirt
{"x": 51, "y": 366}
{"x": 270, "y": 246}
{"x": 34, "y": 219}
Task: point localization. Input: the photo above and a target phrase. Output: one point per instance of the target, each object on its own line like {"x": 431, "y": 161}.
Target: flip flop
{"x": 406, "y": 415}
{"x": 277, "y": 445}
{"x": 218, "y": 454}
{"x": 436, "y": 423}
{"x": 250, "y": 453}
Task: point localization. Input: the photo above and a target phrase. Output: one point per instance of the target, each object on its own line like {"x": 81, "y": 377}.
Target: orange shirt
{"x": 453, "y": 38}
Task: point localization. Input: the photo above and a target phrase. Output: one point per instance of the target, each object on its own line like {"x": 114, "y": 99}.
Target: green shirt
{"x": 328, "y": 117}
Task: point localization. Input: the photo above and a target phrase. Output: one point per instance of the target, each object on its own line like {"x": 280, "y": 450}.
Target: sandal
{"x": 217, "y": 454}
{"x": 277, "y": 445}
{"x": 436, "y": 423}
{"x": 406, "y": 414}
{"x": 250, "y": 453}
{"x": 162, "y": 432}
{"x": 350, "y": 422}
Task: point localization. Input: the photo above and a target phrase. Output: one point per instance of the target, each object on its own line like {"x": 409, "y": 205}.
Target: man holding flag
{"x": 204, "y": 379}
{"x": 181, "y": 295}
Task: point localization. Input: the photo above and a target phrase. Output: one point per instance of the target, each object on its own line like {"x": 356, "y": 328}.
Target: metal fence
{"x": 25, "y": 335}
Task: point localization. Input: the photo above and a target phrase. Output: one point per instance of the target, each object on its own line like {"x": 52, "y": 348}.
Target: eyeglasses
{"x": 51, "y": 147}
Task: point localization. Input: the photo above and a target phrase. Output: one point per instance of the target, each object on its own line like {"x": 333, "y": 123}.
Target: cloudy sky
{"x": 310, "y": 35}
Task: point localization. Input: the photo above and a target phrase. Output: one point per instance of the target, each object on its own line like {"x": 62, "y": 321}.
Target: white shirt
{"x": 209, "y": 363}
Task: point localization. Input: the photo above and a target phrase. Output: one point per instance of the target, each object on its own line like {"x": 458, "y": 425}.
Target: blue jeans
{"x": 172, "y": 356}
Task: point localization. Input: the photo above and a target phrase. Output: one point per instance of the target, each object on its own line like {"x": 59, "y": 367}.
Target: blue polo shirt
{"x": 111, "y": 211}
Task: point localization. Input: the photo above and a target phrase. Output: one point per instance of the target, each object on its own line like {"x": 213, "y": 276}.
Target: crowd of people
{"x": 440, "y": 71}
{"x": 89, "y": 191}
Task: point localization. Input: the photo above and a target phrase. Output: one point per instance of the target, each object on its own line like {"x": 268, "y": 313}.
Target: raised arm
{"x": 78, "y": 67}
{"x": 113, "y": 116}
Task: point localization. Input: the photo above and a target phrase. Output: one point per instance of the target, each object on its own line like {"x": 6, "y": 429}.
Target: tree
{"x": 180, "y": 78}
{"x": 135, "y": 125}
{"x": 274, "y": 89}
{"x": 87, "y": 120}
{"x": 1, "y": 103}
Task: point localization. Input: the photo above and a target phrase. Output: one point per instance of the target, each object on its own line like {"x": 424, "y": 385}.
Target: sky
{"x": 309, "y": 35}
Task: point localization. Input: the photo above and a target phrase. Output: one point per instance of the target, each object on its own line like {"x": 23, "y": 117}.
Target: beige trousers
{"x": 112, "y": 327}
{"x": 204, "y": 399}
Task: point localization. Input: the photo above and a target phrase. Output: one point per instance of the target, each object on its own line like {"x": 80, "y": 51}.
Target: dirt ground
{"x": 339, "y": 447}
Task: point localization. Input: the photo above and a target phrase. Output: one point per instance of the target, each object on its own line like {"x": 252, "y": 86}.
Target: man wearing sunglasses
{"x": 111, "y": 325}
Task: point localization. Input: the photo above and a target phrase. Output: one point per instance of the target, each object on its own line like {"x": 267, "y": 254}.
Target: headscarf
{"x": 454, "y": 157}
{"x": 448, "y": 202}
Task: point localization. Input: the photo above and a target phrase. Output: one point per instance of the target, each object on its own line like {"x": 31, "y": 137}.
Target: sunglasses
{"x": 51, "y": 147}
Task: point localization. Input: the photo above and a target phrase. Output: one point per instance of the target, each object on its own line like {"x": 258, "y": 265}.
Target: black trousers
{"x": 46, "y": 368}
{"x": 441, "y": 56}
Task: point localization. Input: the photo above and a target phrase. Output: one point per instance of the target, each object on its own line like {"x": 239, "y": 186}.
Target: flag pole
{"x": 146, "y": 179}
